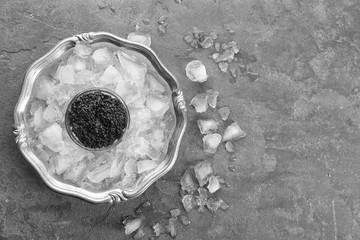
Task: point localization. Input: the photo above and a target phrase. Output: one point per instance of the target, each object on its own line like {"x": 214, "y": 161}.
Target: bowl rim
{"x": 115, "y": 195}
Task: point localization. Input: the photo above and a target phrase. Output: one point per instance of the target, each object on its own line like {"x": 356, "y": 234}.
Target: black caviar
{"x": 97, "y": 119}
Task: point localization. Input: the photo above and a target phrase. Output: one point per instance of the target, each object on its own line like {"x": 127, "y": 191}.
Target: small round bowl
{"x": 104, "y": 91}
{"x": 23, "y": 132}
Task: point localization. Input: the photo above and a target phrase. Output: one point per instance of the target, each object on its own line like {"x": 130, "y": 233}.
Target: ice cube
{"x": 188, "y": 183}
{"x": 124, "y": 88}
{"x": 229, "y": 147}
{"x": 233, "y": 132}
{"x": 66, "y": 74}
{"x": 141, "y": 38}
{"x": 85, "y": 76}
{"x": 213, "y": 205}
{"x": 214, "y": 184}
{"x": 175, "y": 212}
{"x": 52, "y": 113}
{"x": 52, "y": 137}
{"x": 145, "y": 165}
{"x": 189, "y": 202}
{"x": 135, "y": 71}
{"x": 110, "y": 75}
{"x": 117, "y": 167}
{"x": 100, "y": 173}
{"x": 62, "y": 163}
{"x": 212, "y": 97}
{"x": 132, "y": 226}
{"x": 171, "y": 227}
{"x": 103, "y": 56}
{"x": 203, "y": 171}
{"x": 224, "y": 113}
{"x": 157, "y": 104}
{"x": 35, "y": 105}
{"x": 76, "y": 172}
{"x": 154, "y": 84}
{"x": 82, "y": 51}
{"x": 207, "y": 126}
{"x": 196, "y": 71}
{"x": 130, "y": 167}
{"x": 45, "y": 89}
{"x": 200, "y": 102}
{"x": 211, "y": 142}
{"x": 158, "y": 229}
{"x": 38, "y": 119}
{"x": 223, "y": 66}
{"x": 78, "y": 63}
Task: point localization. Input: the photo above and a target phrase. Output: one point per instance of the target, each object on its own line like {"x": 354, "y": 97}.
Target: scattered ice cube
{"x": 203, "y": 171}
{"x": 52, "y": 113}
{"x": 207, "y": 126}
{"x": 207, "y": 42}
{"x": 196, "y": 71}
{"x": 200, "y": 102}
{"x": 201, "y": 199}
{"x": 103, "y": 56}
{"x": 171, "y": 227}
{"x": 184, "y": 220}
{"x": 223, "y": 66}
{"x": 154, "y": 84}
{"x": 227, "y": 55}
{"x": 158, "y": 229}
{"x": 66, "y": 74}
{"x": 157, "y": 104}
{"x": 141, "y": 38}
{"x": 175, "y": 212}
{"x": 213, "y": 205}
{"x": 82, "y": 51}
{"x": 229, "y": 147}
{"x": 52, "y": 137}
{"x": 132, "y": 226}
{"x": 211, "y": 142}
{"x": 224, "y": 113}
{"x": 134, "y": 70}
{"x": 145, "y": 165}
{"x": 189, "y": 202}
{"x": 188, "y": 183}
{"x": 233, "y": 132}
{"x": 214, "y": 184}
{"x": 212, "y": 97}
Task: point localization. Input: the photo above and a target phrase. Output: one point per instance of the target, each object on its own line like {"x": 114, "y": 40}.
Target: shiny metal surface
{"x": 113, "y": 195}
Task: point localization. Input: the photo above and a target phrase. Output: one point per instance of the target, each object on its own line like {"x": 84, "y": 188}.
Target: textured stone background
{"x": 297, "y": 171}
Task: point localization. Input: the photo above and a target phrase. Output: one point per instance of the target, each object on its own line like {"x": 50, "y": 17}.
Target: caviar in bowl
{"x": 102, "y": 153}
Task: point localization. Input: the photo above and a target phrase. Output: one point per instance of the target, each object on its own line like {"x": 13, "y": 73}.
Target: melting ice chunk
{"x": 102, "y": 56}
{"x": 78, "y": 63}
{"x": 110, "y": 75}
{"x": 157, "y": 104}
{"x": 188, "y": 182}
{"x": 214, "y": 184}
{"x": 207, "y": 126}
{"x": 200, "y": 102}
{"x": 38, "y": 118}
{"x": 196, "y": 71}
{"x": 82, "y": 51}
{"x": 145, "y": 165}
{"x": 224, "y": 113}
{"x": 75, "y": 173}
{"x": 203, "y": 171}
{"x": 66, "y": 74}
{"x": 233, "y": 132}
{"x": 52, "y": 113}
{"x": 154, "y": 84}
{"x": 132, "y": 226}
{"x": 46, "y": 89}
{"x": 134, "y": 70}
{"x": 141, "y": 38}
{"x": 211, "y": 142}
{"x": 212, "y": 97}
{"x": 62, "y": 163}
{"x": 52, "y": 137}
{"x": 100, "y": 173}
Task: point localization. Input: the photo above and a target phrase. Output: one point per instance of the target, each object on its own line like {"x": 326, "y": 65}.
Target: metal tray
{"x": 113, "y": 195}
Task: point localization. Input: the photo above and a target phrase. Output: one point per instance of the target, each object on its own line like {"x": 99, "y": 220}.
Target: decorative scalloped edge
{"x": 180, "y": 100}
{"x": 117, "y": 197}
{"x": 20, "y": 136}
{"x": 85, "y": 37}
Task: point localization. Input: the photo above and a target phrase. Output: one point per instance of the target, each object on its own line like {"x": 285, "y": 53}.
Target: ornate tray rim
{"x": 114, "y": 195}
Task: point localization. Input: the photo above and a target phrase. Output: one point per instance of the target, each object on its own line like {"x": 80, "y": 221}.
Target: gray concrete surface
{"x": 297, "y": 171}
